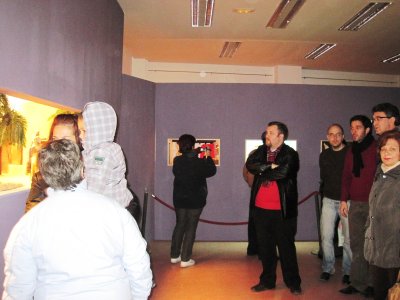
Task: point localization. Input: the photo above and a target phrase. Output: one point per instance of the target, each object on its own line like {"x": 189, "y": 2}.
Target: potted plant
{"x": 12, "y": 132}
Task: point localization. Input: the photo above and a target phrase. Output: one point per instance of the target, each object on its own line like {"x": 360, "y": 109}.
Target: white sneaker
{"x": 189, "y": 263}
{"x": 175, "y": 260}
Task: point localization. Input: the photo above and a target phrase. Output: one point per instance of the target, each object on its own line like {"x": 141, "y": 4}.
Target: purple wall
{"x": 65, "y": 51}
{"x": 235, "y": 112}
{"x": 136, "y": 135}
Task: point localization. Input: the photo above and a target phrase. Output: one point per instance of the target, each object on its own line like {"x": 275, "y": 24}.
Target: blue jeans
{"x": 329, "y": 215}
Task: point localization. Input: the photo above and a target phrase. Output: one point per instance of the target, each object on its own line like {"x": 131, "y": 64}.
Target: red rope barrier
{"x": 226, "y": 223}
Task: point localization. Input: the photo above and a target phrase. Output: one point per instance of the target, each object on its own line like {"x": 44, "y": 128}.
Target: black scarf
{"x": 357, "y": 149}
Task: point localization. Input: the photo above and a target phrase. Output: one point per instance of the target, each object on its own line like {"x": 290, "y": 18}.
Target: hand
{"x": 273, "y": 166}
{"x": 343, "y": 209}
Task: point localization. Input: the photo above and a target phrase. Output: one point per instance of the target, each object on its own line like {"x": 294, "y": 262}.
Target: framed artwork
{"x": 324, "y": 145}
{"x": 213, "y": 144}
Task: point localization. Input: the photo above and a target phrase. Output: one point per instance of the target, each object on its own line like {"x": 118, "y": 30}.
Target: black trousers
{"x": 184, "y": 233}
{"x": 383, "y": 279}
{"x": 252, "y": 247}
{"x": 274, "y": 231}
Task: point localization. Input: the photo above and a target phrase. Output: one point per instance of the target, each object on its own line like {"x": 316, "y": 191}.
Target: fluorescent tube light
{"x": 229, "y": 49}
{"x": 202, "y": 13}
{"x": 284, "y": 13}
{"x": 365, "y": 15}
{"x": 392, "y": 59}
{"x": 321, "y": 49}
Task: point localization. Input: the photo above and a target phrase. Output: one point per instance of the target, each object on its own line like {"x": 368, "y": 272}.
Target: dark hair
{"x": 389, "y": 109}
{"x": 60, "y": 164}
{"x": 364, "y": 120}
{"x": 263, "y": 135}
{"x": 391, "y": 134}
{"x": 186, "y": 142}
{"x": 282, "y": 128}
{"x": 69, "y": 120}
{"x": 336, "y": 125}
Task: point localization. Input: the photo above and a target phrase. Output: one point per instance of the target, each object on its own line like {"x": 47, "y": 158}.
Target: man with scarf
{"x": 357, "y": 177}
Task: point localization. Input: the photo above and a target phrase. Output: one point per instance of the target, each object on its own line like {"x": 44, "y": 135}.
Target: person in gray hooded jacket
{"x": 104, "y": 160}
{"x": 382, "y": 236}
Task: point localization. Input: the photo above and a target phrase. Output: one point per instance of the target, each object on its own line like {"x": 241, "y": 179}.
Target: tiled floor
{"x": 223, "y": 271}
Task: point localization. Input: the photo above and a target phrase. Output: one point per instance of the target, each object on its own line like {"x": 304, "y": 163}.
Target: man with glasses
{"x": 331, "y": 162}
{"x": 385, "y": 117}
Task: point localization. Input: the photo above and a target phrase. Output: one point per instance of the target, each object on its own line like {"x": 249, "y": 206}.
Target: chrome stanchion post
{"x": 144, "y": 215}
{"x": 318, "y": 213}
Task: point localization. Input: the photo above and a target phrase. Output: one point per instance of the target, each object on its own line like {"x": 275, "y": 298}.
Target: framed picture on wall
{"x": 324, "y": 145}
{"x": 213, "y": 144}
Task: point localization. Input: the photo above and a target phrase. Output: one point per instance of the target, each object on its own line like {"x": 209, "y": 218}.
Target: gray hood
{"x": 100, "y": 124}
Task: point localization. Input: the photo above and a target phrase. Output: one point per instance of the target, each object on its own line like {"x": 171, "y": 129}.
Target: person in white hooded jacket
{"x": 77, "y": 244}
{"x": 104, "y": 160}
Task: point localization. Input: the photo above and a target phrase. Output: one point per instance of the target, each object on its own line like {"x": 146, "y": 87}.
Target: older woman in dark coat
{"x": 382, "y": 236}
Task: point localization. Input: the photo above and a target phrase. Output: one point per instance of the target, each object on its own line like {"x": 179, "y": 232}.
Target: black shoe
{"x": 349, "y": 290}
{"x": 346, "y": 279}
{"x": 324, "y": 276}
{"x": 252, "y": 250}
{"x": 262, "y": 287}
{"x": 368, "y": 292}
{"x": 295, "y": 290}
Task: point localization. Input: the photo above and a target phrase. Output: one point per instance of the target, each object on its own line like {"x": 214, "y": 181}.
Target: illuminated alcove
{"x": 18, "y": 164}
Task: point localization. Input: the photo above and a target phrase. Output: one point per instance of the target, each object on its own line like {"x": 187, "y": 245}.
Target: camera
{"x": 200, "y": 149}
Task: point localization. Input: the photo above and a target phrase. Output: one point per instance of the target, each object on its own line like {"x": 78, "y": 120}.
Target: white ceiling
{"x": 160, "y": 31}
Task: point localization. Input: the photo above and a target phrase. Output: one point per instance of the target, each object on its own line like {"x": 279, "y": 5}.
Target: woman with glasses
{"x": 382, "y": 237}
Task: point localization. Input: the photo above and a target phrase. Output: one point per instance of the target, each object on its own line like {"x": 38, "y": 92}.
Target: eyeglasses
{"x": 378, "y": 119}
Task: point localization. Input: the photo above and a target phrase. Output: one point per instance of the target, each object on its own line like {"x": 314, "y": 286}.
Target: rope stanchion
{"x": 201, "y": 220}
{"x": 307, "y": 197}
{"x": 226, "y": 223}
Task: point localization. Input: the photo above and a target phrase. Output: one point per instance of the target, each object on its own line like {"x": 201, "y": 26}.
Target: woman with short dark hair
{"x": 190, "y": 193}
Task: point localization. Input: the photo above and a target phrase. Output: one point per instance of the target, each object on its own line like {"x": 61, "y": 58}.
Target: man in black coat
{"x": 275, "y": 196}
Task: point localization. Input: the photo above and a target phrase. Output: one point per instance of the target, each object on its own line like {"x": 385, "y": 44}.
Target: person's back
{"x": 74, "y": 246}
{"x": 104, "y": 160}
{"x": 190, "y": 186}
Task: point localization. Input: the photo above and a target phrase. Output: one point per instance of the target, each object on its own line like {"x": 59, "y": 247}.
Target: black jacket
{"x": 190, "y": 185}
{"x": 285, "y": 176}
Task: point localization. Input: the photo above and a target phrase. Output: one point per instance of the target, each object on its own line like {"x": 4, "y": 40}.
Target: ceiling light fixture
{"x": 244, "y": 11}
{"x": 284, "y": 13}
{"x": 229, "y": 49}
{"x": 321, "y": 49}
{"x": 370, "y": 11}
{"x": 392, "y": 59}
{"x": 202, "y": 13}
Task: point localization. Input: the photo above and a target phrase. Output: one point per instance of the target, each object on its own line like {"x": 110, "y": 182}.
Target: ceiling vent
{"x": 321, "y": 49}
{"x": 202, "y": 13}
{"x": 229, "y": 49}
{"x": 392, "y": 59}
{"x": 370, "y": 11}
{"x": 284, "y": 13}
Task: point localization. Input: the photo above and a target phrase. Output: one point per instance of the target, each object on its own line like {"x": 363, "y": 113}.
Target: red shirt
{"x": 268, "y": 196}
